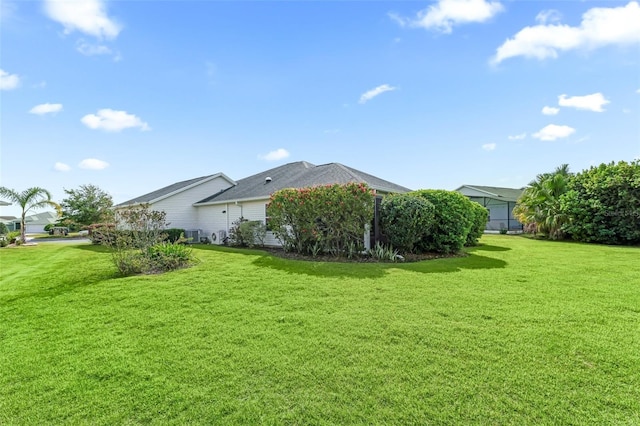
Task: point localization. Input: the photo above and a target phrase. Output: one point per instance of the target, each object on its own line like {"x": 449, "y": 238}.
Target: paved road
{"x": 58, "y": 240}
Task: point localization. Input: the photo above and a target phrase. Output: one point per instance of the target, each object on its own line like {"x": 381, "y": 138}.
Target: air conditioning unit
{"x": 193, "y": 235}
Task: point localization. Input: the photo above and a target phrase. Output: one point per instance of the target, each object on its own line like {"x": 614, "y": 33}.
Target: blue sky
{"x": 135, "y": 95}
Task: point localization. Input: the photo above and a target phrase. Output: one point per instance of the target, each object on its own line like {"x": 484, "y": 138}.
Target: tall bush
{"x": 404, "y": 219}
{"x": 452, "y": 221}
{"x": 603, "y": 204}
{"x": 323, "y": 218}
{"x": 479, "y": 216}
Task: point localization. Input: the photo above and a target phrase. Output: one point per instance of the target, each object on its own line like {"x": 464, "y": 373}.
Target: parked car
{"x": 59, "y": 230}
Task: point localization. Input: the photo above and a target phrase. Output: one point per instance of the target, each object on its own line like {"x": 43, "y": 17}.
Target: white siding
{"x": 179, "y": 209}
{"x": 212, "y": 219}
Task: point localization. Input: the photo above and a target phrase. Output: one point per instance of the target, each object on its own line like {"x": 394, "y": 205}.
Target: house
{"x": 35, "y": 223}
{"x": 212, "y": 203}
{"x": 9, "y": 222}
{"x": 4, "y": 203}
{"x": 500, "y": 203}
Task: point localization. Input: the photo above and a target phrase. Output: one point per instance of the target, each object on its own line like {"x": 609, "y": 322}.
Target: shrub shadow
{"x": 487, "y": 247}
{"x": 370, "y": 270}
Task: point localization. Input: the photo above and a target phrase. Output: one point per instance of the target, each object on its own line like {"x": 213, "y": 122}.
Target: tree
{"x": 30, "y": 199}
{"x": 540, "y": 204}
{"x": 603, "y": 204}
{"x": 86, "y": 205}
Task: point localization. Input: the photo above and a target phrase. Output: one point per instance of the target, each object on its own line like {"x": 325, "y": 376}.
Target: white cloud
{"x": 547, "y": 110}
{"x": 46, "y": 109}
{"x": 90, "y": 49}
{"x": 367, "y": 96}
{"x": 553, "y": 132}
{"x": 278, "y": 154}
{"x": 593, "y": 102}
{"x": 489, "y": 146}
{"x": 517, "y": 137}
{"x": 93, "y": 164}
{"x": 40, "y": 85}
{"x": 113, "y": 121}
{"x": 600, "y": 26}
{"x": 87, "y": 16}
{"x": 8, "y": 81}
{"x": 61, "y": 167}
{"x": 548, "y": 16}
{"x": 638, "y": 91}
{"x": 445, "y": 14}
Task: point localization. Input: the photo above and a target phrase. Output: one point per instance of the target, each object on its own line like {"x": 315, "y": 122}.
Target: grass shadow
{"x": 487, "y": 247}
{"x": 370, "y": 270}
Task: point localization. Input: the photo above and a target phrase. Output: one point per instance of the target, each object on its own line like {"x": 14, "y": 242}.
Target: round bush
{"x": 404, "y": 219}
{"x": 452, "y": 221}
{"x": 479, "y": 216}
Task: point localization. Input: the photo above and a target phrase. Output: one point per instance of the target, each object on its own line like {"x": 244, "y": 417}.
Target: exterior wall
{"x": 500, "y": 214}
{"x": 216, "y": 218}
{"x": 34, "y": 228}
{"x": 179, "y": 209}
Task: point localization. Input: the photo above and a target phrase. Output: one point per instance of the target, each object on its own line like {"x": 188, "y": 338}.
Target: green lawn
{"x": 519, "y": 332}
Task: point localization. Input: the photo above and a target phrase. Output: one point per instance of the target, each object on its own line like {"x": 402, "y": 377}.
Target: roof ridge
{"x": 350, "y": 171}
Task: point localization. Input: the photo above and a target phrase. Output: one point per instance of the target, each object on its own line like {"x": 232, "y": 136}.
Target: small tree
{"x": 30, "y": 199}
{"x": 86, "y": 205}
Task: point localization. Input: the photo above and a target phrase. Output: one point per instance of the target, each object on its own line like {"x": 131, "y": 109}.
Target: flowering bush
{"x": 329, "y": 218}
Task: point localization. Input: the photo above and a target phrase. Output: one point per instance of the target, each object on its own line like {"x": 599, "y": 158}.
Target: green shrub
{"x": 3, "y": 241}
{"x": 247, "y": 233}
{"x": 384, "y": 253}
{"x": 13, "y": 237}
{"x": 3, "y": 229}
{"x": 602, "y": 204}
{"x": 330, "y": 218}
{"x": 174, "y": 234}
{"x": 451, "y": 224}
{"x": 166, "y": 256}
{"x": 404, "y": 219}
{"x": 479, "y": 216}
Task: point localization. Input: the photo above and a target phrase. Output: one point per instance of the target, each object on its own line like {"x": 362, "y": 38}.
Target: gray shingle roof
{"x": 300, "y": 174}
{"x": 506, "y": 194}
{"x": 151, "y": 196}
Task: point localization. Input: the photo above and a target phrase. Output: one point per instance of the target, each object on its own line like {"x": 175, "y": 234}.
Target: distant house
{"x": 35, "y": 223}
{"x": 4, "y": 203}
{"x": 212, "y": 206}
{"x": 500, "y": 203}
{"x": 9, "y": 222}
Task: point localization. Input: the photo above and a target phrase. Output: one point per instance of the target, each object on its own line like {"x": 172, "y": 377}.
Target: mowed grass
{"x": 519, "y": 332}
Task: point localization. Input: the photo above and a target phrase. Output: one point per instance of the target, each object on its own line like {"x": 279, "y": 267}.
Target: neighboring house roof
{"x": 7, "y": 218}
{"x": 496, "y": 192}
{"x": 300, "y": 174}
{"x": 167, "y": 191}
{"x": 4, "y": 203}
{"x": 42, "y": 218}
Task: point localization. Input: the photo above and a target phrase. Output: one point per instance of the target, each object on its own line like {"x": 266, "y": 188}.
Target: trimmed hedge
{"x": 479, "y": 216}
{"x": 404, "y": 219}
{"x": 452, "y": 221}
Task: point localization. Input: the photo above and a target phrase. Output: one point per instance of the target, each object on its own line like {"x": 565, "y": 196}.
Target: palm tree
{"x": 29, "y": 199}
{"x": 540, "y": 202}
